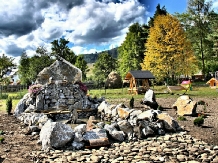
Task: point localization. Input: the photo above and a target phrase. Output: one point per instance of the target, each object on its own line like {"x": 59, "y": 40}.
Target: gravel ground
{"x": 17, "y": 147}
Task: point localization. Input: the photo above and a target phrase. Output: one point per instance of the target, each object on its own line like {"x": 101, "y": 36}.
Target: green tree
{"x": 6, "y": 64}
{"x": 131, "y": 52}
{"x": 23, "y": 69}
{"x": 212, "y": 64}
{"x": 60, "y": 49}
{"x": 159, "y": 11}
{"x": 103, "y": 66}
{"x": 30, "y": 66}
{"x": 82, "y": 64}
{"x": 168, "y": 51}
{"x": 197, "y": 24}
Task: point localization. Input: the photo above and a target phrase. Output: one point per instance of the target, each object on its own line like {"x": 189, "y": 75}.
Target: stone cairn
{"x": 57, "y": 97}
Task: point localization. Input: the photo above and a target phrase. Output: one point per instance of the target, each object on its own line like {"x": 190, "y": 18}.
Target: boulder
{"x": 134, "y": 117}
{"x": 123, "y": 111}
{"x": 80, "y": 128}
{"x": 185, "y": 106}
{"x": 169, "y": 123}
{"x": 108, "y": 110}
{"x": 147, "y": 131}
{"x": 55, "y": 135}
{"x": 59, "y": 70}
{"x": 126, "y": 127}
{"x": 113, "y": 80}
{"x": 21, "y": 106}
{"x": 103, "y": 106}
{"x": 96, "y": 137}
{"x": 114, "y": 133}
{"x": 148, "y": 114}
{"x": 78, "y": 145}
{"x": 33, "y": 118}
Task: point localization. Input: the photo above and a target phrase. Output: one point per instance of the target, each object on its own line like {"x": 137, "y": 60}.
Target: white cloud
{"x": 82, "y": 50}
{"x": 83, "y": 22}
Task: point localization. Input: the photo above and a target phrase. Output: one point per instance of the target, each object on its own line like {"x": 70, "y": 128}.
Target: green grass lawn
{"x": 16, "y": 96}
{"x": 160, "y": 91}
{"x": 122, "y": 94}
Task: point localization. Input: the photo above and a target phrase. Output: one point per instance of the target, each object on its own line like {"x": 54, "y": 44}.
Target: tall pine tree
{"x": 131, "y": 52}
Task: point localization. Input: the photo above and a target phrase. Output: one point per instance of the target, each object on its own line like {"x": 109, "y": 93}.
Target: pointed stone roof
{"x": 59, "y": 70}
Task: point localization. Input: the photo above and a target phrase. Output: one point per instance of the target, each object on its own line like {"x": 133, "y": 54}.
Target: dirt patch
{"x": 17, "y": 146}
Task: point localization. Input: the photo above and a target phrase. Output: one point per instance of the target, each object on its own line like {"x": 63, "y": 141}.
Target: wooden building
{"x": 138, "y": 81}
{"x": 213, "y": 82}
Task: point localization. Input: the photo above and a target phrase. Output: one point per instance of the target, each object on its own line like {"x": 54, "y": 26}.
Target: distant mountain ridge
{"x": 91, "y": 58}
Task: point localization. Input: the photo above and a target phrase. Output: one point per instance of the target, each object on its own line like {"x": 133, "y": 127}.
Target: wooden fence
{"x": 12, "y": 88}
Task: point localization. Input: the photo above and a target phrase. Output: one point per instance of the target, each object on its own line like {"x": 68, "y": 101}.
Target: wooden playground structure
{"x": 138, "y": 81}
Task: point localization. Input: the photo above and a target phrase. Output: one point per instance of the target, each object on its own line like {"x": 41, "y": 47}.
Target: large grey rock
{"x": 59, "y": 70}
{"x": 126, "y": 127}
{"x": 33, "y": 118}
{"x": 80, "y": 128}
{"x": 21, "y": 106}
{"x": 96, "y": 137}
{"x": 108, "y": 110}
{"x": 147, "y": 131}
{"x": 169, "y": 123}
{"x": 148, "y": 114}
{"x": 134, "y": 117}
{"x": 30, "y": 108}
{"x": 95, "y": 134}
{"x": 104, "y": 105}
{"x": 114, "y": 133}
{"x": 40, "y": 102}
{"x": 185, "y": 106}
{"x": 78, "y": 145}
{"x": 55, "y": 135}
{"x": 123, "y": 111}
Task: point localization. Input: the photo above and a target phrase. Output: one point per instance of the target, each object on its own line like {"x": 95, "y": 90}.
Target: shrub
{"x": 182, "y": 118}
{"x": 201, "y": 102}
{"x": 2, "y": 132}
{"x": 131, "y": 103}
{"x": 3, "y": 96}
{"x": 199, "y": 121}
{"x": 9, "y": 105}
{"x": 2, "y": 139}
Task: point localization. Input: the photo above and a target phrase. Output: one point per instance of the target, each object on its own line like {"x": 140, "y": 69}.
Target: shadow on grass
{"x": 207, "y": 127}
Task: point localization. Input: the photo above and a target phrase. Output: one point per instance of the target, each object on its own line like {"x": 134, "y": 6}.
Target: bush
{"x": 181, "y": 118}
{"x": 131, "y": 103}
{"x": 9, "y": 105}
{"x": 199, "y": 121}
{"x": 3, "y": 96}
{"x": 1, "y": 139}
{"x": 2, "y": 132}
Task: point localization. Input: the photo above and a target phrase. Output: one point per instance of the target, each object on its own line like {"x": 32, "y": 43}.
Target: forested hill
{"x": 91, "y": 58}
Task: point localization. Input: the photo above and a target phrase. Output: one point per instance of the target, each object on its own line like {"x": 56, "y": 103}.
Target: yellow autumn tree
{"x": 168, "y": 52}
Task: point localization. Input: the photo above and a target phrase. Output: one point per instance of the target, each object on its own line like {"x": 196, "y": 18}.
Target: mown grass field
{"x": 123, "y": 95}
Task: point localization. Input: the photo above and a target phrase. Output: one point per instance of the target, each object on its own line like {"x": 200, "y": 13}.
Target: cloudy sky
{"x": 90, "y": 25}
